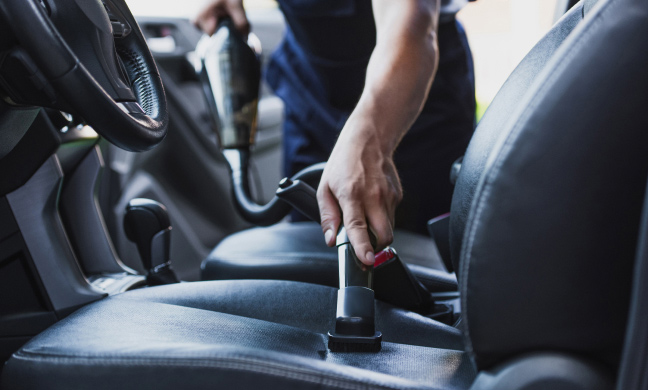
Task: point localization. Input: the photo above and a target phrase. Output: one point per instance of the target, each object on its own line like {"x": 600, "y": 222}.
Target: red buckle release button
{"x": 383, "y": 256}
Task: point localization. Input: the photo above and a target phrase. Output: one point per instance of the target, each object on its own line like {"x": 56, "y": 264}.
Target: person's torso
{"x": 341, "y": 30}
{"x": 327, "y": 49}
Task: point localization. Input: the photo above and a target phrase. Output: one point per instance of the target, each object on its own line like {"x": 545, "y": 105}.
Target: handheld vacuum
{"x": 229, "y": 69}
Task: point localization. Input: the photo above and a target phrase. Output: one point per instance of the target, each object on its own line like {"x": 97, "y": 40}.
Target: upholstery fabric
{"x": 233, "y": 334}
{"x": 296, "y": 251}
{"x": 494, "y": 123}
{"x": 548, "y": 251}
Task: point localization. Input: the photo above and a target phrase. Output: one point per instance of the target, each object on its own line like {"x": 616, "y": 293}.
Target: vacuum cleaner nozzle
{"x": 355, "y": 329}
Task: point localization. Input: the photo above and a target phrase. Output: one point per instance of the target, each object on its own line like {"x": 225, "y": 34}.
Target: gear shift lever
{"x": 147, "y": 224}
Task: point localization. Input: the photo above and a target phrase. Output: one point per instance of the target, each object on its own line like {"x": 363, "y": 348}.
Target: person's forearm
{"x": 401, "y": 69}
{"x": 360, "y": 186}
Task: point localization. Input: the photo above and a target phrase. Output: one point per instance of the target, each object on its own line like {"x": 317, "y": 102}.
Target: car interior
{"x": 127, "y": 260}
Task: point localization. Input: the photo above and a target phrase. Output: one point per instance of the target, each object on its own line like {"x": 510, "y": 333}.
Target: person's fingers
{"x": 207, "y": 21}
{"x": 380, "y": 224}
{"x": 329, "y": 213}
{"x": 240, "y": 20}
{"x": 356, "y": 228}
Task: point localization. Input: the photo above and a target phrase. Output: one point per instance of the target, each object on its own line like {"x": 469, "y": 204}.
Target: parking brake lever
{"x": 147, "y": 224}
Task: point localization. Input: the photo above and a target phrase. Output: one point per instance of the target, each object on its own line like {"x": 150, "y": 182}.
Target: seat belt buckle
{"x": 394, "y": 283}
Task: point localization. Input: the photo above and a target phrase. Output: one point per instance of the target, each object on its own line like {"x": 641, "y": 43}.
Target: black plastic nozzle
{"x": 301, "y": 196}
{"x": 355, "y": 328}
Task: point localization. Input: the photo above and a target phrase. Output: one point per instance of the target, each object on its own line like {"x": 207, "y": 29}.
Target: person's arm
{"x": 207, "y": 19}
{"x": 360, "y": 184}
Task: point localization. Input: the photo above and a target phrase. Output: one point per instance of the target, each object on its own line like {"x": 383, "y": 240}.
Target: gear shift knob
{"x": 147, "y": 224}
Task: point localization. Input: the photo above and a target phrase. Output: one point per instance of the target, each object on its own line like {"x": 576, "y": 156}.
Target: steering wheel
{"x": 92, "y": 59}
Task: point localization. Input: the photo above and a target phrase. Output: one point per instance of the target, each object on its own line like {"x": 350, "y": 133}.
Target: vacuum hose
{"x": 277, "y": 208}
{"x": 229, "y": 68}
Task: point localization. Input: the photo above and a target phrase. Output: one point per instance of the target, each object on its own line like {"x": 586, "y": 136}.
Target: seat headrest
{"x": 547, "y": 252}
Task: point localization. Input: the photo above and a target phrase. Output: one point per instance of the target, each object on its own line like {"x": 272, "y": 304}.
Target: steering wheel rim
{"x": 133, "y": 124}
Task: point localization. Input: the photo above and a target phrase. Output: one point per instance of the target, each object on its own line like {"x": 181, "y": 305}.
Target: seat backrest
{"x": 493, "y": 123}
{"x": 550, "y": 233}
{"x": 632, "y": 372}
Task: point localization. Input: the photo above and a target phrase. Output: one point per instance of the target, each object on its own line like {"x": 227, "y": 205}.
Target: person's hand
{"x": 208, "y": 18}
{"x": 360, "y": 188}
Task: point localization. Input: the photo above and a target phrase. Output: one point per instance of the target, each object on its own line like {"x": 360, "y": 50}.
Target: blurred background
{"x": 500, "y": 32}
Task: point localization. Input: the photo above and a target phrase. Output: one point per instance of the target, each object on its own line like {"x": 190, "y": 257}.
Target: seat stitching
{"x": 485, "y": 187}
{"x": 233, "y": 363}
{"x": 421, "y": 276}
{"x": 253, "y": 257}
{"x": 216, "y": 310}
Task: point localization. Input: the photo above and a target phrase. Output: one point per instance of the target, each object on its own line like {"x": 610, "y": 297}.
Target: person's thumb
{"x": 329, "y": 213}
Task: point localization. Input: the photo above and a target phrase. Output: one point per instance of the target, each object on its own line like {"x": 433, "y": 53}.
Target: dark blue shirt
{"x": 319, "y": 69}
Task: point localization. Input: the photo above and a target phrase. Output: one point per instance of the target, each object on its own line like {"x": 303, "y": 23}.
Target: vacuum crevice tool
{"x": 355, "y": 328}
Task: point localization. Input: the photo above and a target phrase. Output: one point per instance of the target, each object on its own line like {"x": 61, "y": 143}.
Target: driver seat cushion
{"x": 233, "y": 334}
{"x": 296, "y": 251}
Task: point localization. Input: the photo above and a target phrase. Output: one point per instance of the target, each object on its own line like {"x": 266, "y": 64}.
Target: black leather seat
{"x": 233, "y": 334}
{"x": 544, "y": 228}
{"x": 296, "y": 251}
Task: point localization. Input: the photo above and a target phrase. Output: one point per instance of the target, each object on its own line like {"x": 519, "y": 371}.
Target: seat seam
{"x": 232, "y": 363}
{"x": 192, "y": 307}
{"x": 484, "y": 189}
{"x": 253, "y": 257}
{"x": 424, "y": 278}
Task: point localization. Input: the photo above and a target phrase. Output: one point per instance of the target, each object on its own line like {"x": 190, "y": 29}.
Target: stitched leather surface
{"x": 549, "y": 247}
{"x": 142, "y": 73}
{"x": 494, "y": 124}
{"x": 242, "y": 334}
{"x": 296, "y": 251}
{"x": 141, "y": 79}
